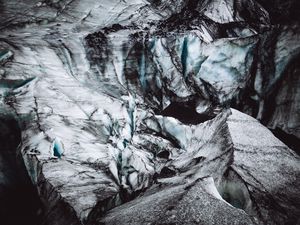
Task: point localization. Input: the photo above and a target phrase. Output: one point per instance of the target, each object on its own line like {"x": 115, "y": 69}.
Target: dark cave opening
{"x": 232, "y": 199}
{"x": 19, "y": 202}
{"x": 234, "y": 191}
{"x": 185, "y": 113}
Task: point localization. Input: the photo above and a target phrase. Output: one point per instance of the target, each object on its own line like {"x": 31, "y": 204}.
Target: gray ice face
{"x": 121, "y": 112}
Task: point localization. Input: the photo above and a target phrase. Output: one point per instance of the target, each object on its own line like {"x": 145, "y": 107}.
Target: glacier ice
{"x": 145, "y": 112}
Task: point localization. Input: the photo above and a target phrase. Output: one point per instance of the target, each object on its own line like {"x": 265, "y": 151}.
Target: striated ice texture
{"x": 149, "y": 112}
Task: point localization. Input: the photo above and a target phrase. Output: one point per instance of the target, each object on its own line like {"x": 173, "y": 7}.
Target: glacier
{"x": 149, "y": 112}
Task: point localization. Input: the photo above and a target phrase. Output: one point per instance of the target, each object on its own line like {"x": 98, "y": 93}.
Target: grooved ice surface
{"x": 125, "y": 109}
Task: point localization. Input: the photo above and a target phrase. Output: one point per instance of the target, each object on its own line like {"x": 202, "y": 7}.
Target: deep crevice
{"x": 186, "y": 113}
{"x": 19, "y": 201}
